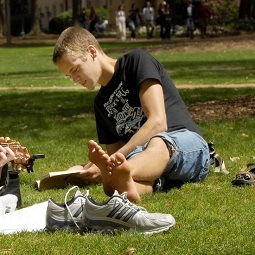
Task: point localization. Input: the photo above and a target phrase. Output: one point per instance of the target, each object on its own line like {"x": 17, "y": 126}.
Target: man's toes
{"x": 91, "y": 145}
{"x": 119, "y": 158}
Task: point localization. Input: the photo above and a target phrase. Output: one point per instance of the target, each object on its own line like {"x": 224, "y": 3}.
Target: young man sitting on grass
{"x": 149, "y": 135}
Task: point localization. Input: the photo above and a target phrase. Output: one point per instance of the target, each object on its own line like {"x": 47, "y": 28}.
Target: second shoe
{"x": 60, "y": 216}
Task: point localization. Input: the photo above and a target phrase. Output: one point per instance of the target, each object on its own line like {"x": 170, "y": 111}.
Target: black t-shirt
{"x": 118, "y": 109}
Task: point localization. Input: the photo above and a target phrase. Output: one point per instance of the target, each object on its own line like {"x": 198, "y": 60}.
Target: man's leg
{"x": 147, "y": 24}
{"x": 135, "y": 176}
{"x": 152, "y": 28}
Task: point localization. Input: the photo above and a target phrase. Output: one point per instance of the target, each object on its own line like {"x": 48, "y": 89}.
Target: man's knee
{"x": 159, "y": 144}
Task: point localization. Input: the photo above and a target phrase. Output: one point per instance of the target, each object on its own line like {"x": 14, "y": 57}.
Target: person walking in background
{"x": 168, "y": 21}
{"x": 190, "y": 14}
{"x": 121, "y": 23}
{"x": 203, "y": 15}
{"x": 83, "y": 19}
{"x": 164, "y": 20}
{"x": 92, "y": 19}
{"x": 133, "y": 20}
{"x": 135, "y": 15}
{"x": 161, "y": 19}
{"x": 149, "y": 16}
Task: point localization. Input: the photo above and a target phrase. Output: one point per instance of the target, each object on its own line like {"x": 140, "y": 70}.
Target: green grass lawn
{"x": 32, "y": 67}
{"x": 212, "y": 217}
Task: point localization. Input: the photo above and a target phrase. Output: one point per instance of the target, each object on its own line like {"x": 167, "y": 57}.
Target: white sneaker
{"x": 66, "y": 215}
{"x": 119, "y": 213}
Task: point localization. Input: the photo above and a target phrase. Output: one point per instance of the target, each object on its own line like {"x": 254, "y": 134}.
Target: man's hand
{"x": 91, "y": 174}
{"x": 6, "y": 155}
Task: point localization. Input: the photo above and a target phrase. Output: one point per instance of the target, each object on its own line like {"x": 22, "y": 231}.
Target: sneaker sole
{"x": 240, "y": 182}
{"x": 111, "y": 226}
{"x": 53, "y": 225}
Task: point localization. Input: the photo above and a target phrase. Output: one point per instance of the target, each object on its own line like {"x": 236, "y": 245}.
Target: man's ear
{"x": 91, "y": 49}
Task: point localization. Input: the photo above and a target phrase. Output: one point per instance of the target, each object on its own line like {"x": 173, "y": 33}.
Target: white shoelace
{"x": 67, "y": 206}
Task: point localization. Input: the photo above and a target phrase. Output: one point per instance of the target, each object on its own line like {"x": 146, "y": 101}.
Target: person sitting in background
{"x": 101, "y": 25}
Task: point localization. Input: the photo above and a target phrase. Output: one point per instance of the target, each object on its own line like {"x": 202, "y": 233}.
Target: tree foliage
{"x": 224, "y": 11}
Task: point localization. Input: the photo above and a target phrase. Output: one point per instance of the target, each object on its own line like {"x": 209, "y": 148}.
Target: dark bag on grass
{"x": 12, "y": 184}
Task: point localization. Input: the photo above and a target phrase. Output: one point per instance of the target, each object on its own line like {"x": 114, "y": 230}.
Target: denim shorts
{"x": 190, "y": 157}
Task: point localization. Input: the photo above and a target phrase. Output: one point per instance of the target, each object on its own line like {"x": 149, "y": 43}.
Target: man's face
{"x": 82, "y": 70}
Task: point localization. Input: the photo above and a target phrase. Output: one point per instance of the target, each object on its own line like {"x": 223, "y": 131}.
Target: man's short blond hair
{"x": 73, "y": 41}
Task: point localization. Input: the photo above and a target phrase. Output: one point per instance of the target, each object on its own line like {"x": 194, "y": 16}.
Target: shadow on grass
{"x": 43, "y": 111}
{"x": 39, "y": 110}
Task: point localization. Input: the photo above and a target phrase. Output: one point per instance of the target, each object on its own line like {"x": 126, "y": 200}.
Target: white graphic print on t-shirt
{"x": 128, "y": 118}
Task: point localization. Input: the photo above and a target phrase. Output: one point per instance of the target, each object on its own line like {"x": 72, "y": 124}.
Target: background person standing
{"x": 121, "y": 23}
{"x": 83, "y": 19}
{"x": 92, "y": 19}
{"x": 149, "y": 16}
{"x": 190, "y": 13}
{"x": 133, "y": 21}
{"x": 168, "y": 22}
{"x": 203, "y": 15}
{"x": 162, "y": 19}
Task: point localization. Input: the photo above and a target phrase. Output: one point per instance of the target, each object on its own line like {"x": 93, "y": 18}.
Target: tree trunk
{"x": 76, "y": 11}
{"x": 3, "y": 25}
{"x": 247, "y": 9}
{"x": 35, "y": 30}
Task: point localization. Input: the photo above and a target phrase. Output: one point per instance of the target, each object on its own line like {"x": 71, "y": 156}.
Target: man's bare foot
{"x": 97, "y": 155}
{"x": 100, "y": 158}
{"x": 120, "y": 177}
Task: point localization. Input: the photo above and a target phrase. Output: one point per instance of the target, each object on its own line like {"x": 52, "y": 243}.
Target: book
{"x": 60, "y": 179}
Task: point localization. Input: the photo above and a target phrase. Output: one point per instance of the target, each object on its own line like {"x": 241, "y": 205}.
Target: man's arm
{"x": 152, "y": 101}
{"x": 112, "y": 148}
